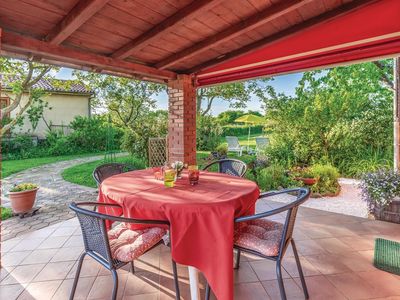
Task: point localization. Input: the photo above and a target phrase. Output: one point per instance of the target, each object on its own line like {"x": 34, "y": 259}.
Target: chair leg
{"x": 115, "y": 287}
{"x": 208, "y": 292}
{"x": 132, "y": 267}
{"x": 300, "y": 270}
{"x": 78, "y": 272}
{"x": 280, "y": 280}
{"x": 237, "y": 259}
{"x": 176, "y": 281}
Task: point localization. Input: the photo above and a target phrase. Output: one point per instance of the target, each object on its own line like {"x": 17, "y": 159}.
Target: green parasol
{"x": 251, "y": 120}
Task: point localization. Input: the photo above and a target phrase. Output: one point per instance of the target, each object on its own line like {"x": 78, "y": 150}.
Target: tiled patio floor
{"x": 336, "y": 253}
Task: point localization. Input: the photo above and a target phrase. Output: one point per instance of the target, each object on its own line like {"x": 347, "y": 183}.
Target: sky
{"x": 282, "y": 84}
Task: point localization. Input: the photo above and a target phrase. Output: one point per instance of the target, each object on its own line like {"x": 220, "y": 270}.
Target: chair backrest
{"x": 94, "y": 233}
{"x": 232, "y": 167}
{"x": 233, "y": 142}
{"x": 107, "y": 170}
{"x": 262, "y": 142}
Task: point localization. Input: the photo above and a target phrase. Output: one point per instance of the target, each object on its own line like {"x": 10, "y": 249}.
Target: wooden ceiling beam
{"x": 194, "y": 8}
{"x": 16, "y": 43}
{"x": 267, "y": 15}
{"x": 78, "y": 15}
{"x": 320, "y": 19}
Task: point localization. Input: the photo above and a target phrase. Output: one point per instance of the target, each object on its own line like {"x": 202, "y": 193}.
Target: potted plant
{"x": 23, "y": 197}
{"x": 305, "y": 175}
{"x": 381, "y": 191}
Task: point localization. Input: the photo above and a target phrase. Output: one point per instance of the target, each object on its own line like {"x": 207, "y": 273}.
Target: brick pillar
{"x": 182, "y": 120}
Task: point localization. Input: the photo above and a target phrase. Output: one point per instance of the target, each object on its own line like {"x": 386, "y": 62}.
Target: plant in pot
{"x": 23, "y": 197}
{"x": 381, "y": 191}
{"x": 304, "y": 175}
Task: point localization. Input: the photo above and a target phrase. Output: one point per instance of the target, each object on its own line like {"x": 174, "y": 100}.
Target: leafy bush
{"x": 379, "y": 188}
{"x": 222, "y": 150}
{"x": 208, "y": 133}
{"x": 6, "y": 213}
{"x": 274, "y": 177}
{"x": 58, "y": 144}
{"x": 23, "y": 187}
{"x": 18, "y": 146}
{"x": 327, "y": 176}
{"x": 237, "y": 130}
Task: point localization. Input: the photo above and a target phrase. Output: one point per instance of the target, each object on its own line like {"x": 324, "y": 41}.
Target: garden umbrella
{"x": 251, "y": 120}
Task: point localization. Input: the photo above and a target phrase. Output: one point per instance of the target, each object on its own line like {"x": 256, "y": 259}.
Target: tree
{"x": 20, "y": 78}
{"x": 237, "y": 94}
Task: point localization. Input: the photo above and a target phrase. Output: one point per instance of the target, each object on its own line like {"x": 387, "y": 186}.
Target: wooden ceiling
{"x": 152, "y": 39}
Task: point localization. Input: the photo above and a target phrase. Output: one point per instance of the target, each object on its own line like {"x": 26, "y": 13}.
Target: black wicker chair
{"x": 280, "y": 236}
{"x": 232, "y": 167}
{"x": 107, "y": 170}
{"x": 97, "y": 244}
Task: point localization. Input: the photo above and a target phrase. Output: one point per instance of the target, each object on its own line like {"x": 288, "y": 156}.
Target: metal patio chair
{"x": 269, "y": 239}
{"x": 107, "y": 170}
{"x": 118, "y": 246}
{"x": 261, "y": 144}
{"x": 232, "y": 167}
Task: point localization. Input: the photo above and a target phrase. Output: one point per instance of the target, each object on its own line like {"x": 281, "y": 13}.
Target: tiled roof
{"x": 58, "y": 85}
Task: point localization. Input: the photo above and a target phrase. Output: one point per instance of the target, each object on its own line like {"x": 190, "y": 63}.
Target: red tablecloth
{"x": 201, "y": 216}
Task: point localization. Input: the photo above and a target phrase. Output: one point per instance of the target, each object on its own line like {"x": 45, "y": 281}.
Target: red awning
{"x": 370, "y": 32}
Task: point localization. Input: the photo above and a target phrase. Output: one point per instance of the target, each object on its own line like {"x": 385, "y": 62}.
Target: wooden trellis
{"x": 158, "y": 153}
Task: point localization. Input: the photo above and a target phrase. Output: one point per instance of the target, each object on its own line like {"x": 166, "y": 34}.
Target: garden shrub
{"x": 18, "y": 146}
{"x": 208, "y": 133}
{"x": 238, "y": 130}
{"x": 327, "y": 176}
{"x": 274, "y": 177}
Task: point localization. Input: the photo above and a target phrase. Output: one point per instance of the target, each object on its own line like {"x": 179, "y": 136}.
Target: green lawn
{"x": 243, "y": 140}
{"x": 9, "y": 167}
{"x": 82, "y": 174}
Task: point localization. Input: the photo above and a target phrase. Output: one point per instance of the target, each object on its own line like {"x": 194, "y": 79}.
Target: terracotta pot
{"x": 307, "y": 181}
{"x": 22, "y": 202}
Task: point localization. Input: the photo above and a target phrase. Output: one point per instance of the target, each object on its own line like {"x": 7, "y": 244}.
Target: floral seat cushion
{"x": 263, "y": 236}
{"x": 127, "y": 245}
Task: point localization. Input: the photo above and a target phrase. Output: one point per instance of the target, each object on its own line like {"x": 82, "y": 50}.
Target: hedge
{"x": 237, "y": 130}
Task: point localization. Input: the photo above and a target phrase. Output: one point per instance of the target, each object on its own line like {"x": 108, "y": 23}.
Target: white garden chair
{"x": 261, "y": 144}
{"x": 233, "y": 145}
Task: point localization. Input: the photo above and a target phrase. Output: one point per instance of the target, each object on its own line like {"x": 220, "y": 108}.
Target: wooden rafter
{"x": 320, "y": 19}
{"x": 189, "y": 11}
{"x": 15, "y": 43}
{"x": 257, "y": 19}
{"x": 78, "y": 15}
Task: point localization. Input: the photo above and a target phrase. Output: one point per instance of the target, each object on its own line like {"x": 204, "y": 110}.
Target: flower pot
{"x": 307, "y": 181}
{"x": 22, "y": 202}
{"x": 390, "y": 213}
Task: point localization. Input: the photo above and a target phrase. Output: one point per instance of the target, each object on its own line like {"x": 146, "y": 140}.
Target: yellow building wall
{"x": 64, "y": 107}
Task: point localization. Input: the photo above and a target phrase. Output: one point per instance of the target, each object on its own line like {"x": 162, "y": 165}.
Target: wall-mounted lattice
{"x": 157, "y": 152}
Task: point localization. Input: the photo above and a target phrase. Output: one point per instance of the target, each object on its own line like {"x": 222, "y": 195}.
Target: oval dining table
{"x": 201, "y": 218}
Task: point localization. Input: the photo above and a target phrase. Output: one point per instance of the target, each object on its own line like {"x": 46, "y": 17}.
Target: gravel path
{"x": 53, "y": 196}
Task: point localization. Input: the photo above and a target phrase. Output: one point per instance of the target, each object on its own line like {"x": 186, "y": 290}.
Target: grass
{"x": 82, "y": 174}
{"x": 5, "y": 213}
{"x": 243, "y": 140}
{"x": 10, "y": 167}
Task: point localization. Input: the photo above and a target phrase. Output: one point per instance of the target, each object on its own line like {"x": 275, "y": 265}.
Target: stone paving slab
{"x": 53, "y": 196}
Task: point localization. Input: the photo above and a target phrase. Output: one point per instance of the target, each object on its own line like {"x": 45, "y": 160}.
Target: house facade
{"x": 64, "y": 104}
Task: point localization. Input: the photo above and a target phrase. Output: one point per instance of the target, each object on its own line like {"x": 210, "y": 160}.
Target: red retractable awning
{"x": 370, "y": 32}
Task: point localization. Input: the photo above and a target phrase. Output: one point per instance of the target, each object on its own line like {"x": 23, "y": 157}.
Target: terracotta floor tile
{"x": 153, "y": 296}
{"x": 357, "y": 262}
{"x": 39, "y": 256}
{"x": 11, "y": 291}
{"x": 66, "y": 254}
{"x": 64, "y": 231}
{"x": 6, "y": 246}
{"x": 360, "y": 242}
{"x": 53, "y": 242}
{"x": 90, "y": 268}
{"x": 54, "y": 271}
{"x": 4, "y": 271}
{"x": 142, "y": 283}
{"x": 82, "y": 289}
{"x": 245, "y": 273}
{"x": 352, "y": 286}
{"x": 102, "y": 287}
{"x": 309, "y": 247}
{"x": 167, "y": 287}
{"x": 265, "y": 270}
{"x": 293, "y": 291}
{"x": 42, "y": 233}
{"x": 289, "y": 264}
{"x": 253, "y": 290}
{"x": 14, "y": 258}
{"x": 74, "y": 241}
{"x": 328, "y": 263}
{"x": 40, "y": 290}
{"x": 385, "y": 284}
{"x": 333, "y": 245}
{"x": 320, "y": 288}
{"x": 28, "y": 244}
{"x": 22, "y": 274}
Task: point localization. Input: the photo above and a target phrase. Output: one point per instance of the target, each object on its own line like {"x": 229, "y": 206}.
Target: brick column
{"x": 182, "y": 120}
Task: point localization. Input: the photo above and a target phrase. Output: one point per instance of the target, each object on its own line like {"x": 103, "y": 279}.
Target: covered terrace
{"x": 189, "y": 44}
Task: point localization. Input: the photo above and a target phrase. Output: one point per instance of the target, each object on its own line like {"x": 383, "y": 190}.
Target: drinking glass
{"x": 169, "y": 177}
{"x": 193, "y": 175}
